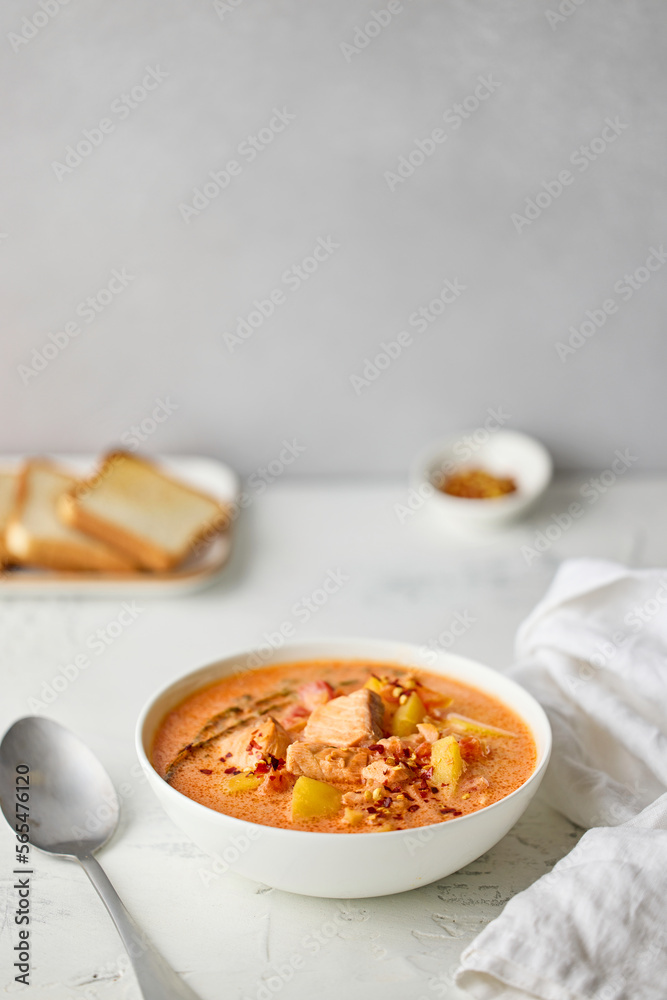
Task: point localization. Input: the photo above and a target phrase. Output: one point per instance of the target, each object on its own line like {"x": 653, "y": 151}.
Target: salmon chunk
{"x": 429, "y": 732}
{"x": 315, "y": 693}
{"x": 351, "y": 720}
{"x": 342, "y": 764}
{"x": 382, "y": 773}
{"x": 395, "y": 745}
{"x": 255, "y": 743}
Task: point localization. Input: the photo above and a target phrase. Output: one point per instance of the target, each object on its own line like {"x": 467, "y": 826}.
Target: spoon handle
{"x": 156, "y": 979}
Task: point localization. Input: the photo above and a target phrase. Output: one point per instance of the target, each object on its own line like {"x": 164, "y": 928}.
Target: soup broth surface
{"x": 343, "y": 747}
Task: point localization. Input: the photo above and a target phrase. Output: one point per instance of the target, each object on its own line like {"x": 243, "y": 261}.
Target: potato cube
{"x": 375, "y": 684}
{"x": 353, "y": 817}
{"x": 463, "y": 724}
{"x": 447, "y": 763}
{"x": 312, "y": 798}
{"x": 243, "y": 783}
{"x": 407, "y": 716}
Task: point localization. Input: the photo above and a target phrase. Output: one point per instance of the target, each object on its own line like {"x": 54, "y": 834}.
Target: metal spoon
{"x": 70, "y": 792}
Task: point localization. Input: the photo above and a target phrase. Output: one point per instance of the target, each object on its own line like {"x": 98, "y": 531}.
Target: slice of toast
{"x": 36, "y": 535}
{"x": 8, "y": 485}
{"x": 134, "y": 506}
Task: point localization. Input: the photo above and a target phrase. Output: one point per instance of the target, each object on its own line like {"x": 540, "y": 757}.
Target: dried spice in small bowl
{"x": 476, "y": 484}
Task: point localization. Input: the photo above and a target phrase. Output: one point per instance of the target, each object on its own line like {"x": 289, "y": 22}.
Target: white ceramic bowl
{"x": 346, "y": 865}
{"x": 503, "y": 453}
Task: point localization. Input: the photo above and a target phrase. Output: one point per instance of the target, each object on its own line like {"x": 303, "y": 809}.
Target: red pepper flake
{"x": 378, "y": 747}
{"x": 205, "y": 770}
{"x": 387, "y": 802}
{"x": 262, "y": 767}
{"x": 253, "y": 745}
{"x": 408, "y": 796}
{"x": 434, "y": 789}
{"x": 371, "y": 809}
{"x": 427, "y": 772}
{"x": 423, "y": 793}
{"x": 413, "y": 808}
{"x": 448, "y": 810}
{"x": 227, "y": 755}
{"x": 232, "y": 770}
{"x": 277, "y": 763}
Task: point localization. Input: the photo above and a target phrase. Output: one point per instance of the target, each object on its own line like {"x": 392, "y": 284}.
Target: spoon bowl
{"x": 73, "y": 804}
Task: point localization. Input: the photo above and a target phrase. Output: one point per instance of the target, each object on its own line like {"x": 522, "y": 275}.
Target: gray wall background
{"x": 228, "y": 66}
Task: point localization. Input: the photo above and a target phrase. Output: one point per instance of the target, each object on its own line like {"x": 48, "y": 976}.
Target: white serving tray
{"x": 206, "y": 474}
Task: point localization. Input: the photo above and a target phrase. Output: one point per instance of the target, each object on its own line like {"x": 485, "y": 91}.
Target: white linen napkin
{"x": 594, "y": 653}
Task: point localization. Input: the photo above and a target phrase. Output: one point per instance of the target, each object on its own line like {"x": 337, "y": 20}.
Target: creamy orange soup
{"x": 343, "y": 747}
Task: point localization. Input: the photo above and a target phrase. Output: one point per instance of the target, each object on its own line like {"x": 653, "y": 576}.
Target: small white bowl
{"x": 502, "y": 453}
{"x": 345, "y": 865}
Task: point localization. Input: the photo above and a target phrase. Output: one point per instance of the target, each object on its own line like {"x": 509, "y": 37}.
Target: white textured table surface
{"x": 230, "y": 937}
